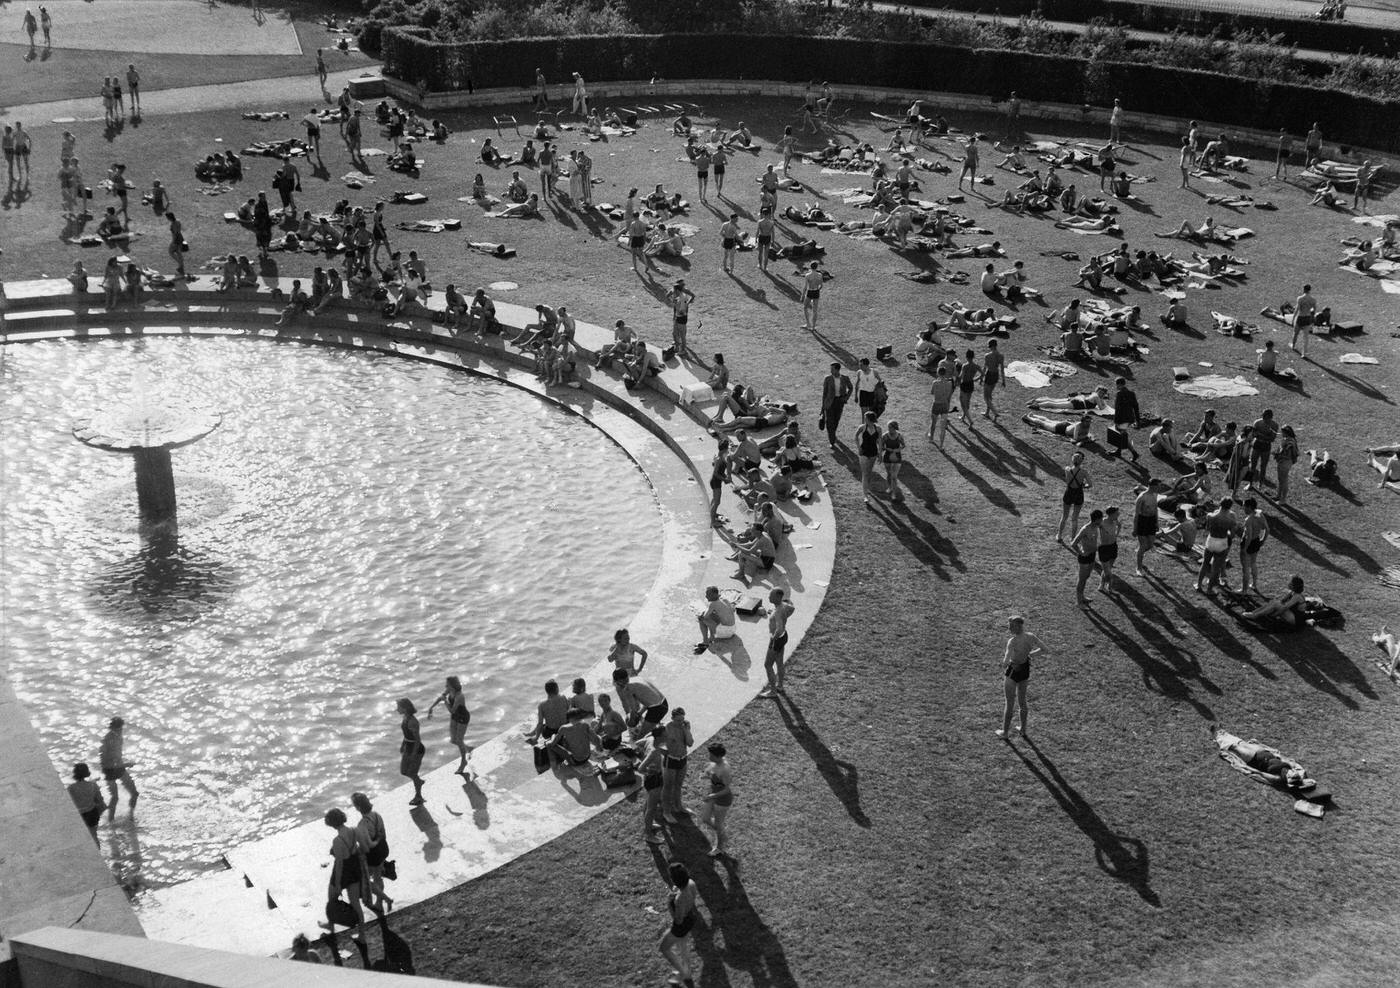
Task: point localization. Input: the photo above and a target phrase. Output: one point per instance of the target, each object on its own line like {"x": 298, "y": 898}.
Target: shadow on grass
{"x": 1334, "y": 544}
{"x": 841, "y": 776}
{"x": 1119, "y": 857}
{"x": 1166, "y": 675}
{"x": 734, "y": 935}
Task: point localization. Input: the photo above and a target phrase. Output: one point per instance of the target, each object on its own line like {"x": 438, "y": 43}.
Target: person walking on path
{"x": 115, "y": 768}
{"x": 87, "y": 797}
{"x": 1085, "y": 546}
{"x": 773, "y": 659}
{"x": 580, "y": 105}
{"x": 681, "y": 903}
{"x": 133, "y": 87}
{"x": 46, "y": 25}
{"x": 411, "y": 749}
{"x": 23, "y": 148}
{"x": 867, "y": 444}
{"x": 718, "y": 800}
{"x": 31, "y": 26}
{"x": 729, "y": 242}
{"x": 321, "y": 68}
{"x": 836, "y": 391}
{"x": 678, "y": 740}
{"x": 7, "y": 145}
{"x": 373, "y": 841}
{"x": 680, "y": 298}
{"x": 458, "y": 719}
{"x": 1072, "y": 500}
{"x": 1021, "y": 647}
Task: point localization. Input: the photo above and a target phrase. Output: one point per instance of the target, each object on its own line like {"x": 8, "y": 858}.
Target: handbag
{"x": 541, "y": 759}
{"x": 1117, "y": 438}
{"x": 340, "y": 913}
{"x": 390, "y": 870}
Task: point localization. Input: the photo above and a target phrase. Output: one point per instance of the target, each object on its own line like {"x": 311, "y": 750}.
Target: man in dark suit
{"x": 836, "y": 391}
{"x": 1125, "y": 416}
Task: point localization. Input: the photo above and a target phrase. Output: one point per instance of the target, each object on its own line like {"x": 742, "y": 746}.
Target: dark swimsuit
{"x": 680, "y": 928}
{"x": 715, "y": 786}
{"x": 1020, "y": 673}
{"x": 1074, "y": 491}
{"x": 870, "y": 443}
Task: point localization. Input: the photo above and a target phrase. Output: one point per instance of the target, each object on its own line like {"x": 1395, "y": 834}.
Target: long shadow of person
{"x": 432, "y": 847}
{"x": 398, "y": 954}
{"x": 1121, "y": 858}
{"x": 842, "y": 776}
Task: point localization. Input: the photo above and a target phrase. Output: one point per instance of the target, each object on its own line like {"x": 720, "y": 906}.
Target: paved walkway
{"x": 168, "y": 27}
{"x": 292, "y": 93}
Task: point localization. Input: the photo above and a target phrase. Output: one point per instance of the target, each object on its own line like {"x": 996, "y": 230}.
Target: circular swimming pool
{"x": 358, "y": 528}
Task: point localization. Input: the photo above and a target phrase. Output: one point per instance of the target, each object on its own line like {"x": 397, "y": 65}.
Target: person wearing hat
{"x": 680, "y": 298}
{"x": 115, "y": 766}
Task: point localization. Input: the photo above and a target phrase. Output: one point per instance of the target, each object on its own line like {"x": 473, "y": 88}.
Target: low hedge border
{"x": 1158, "y": 89}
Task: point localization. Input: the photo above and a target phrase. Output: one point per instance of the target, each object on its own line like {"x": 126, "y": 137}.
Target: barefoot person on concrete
{"x": 115, "y": 766}
{"x": 456, "y": 703}
{"x": 411, "y": 749}
{"x": 1016, "y": 667}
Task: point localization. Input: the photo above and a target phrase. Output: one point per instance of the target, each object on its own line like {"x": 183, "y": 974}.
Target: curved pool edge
{"x": 466, "y": 831}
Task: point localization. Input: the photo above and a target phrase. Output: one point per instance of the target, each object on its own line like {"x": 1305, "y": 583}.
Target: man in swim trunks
{"x": 1304, "y": 315}
{"x": 729, "y": 242}
{"x": 969, "y": 164}
{"x": 680, "y": 298}
{"x": 573, "y": 742}
{"x": 550, "y": 714}
{"x": 773, "y": 658}
{"x": 1016, "y": 666}
{"x": 812, "y": 281}
{"x": 645, "y": 705}
{"x": 716, "y": 620}
{"x": 114, "y": 768}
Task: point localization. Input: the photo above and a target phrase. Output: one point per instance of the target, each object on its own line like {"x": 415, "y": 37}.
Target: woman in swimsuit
{"x": 1085, "y": 546}
{"x": 1076, "y": 483}
{"x": 1145, "y": 519}
{"x": 868, "y": 448}
{"x": 892, "y": 452}
{"x": 347, "y": 876}
{"x": 1284, "y": 460}
{"x": 1108, "y": 547}
{"x": 968, "y": 375}
{"x": 411, "y": 749}
{"x": 456, "y": 703}
{"x": 682, "y": 904}
{"x": 719, "y": 475}
{"x": 718, "y": 800}
{"x": 374, "y": 841}
{"x": 1284, "y": 607}
{"x": 1252, "y": 537}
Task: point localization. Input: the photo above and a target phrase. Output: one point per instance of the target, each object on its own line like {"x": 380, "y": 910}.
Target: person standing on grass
{"x": 1187, "y": 162}
{"x": 968, "y": 373}
{"x": 729, "y": 242}
{"x": 1284, "y": 460}
{"x": 1312, "y": 146}
{"x": 636, "y": 242}
{"x": 541, "y": 90}
{"x": 1115, "y": 123}
{"x": 1072, "y": 500}
{"x": 682, "y": 903}
{"x": 993, "y": 373}
{"x": 1283, "y": 152}
{"x": 652, "y": 768}
{"x": 1108, "y": 547}
{"x": 1304, "y": 314}
{"x": 766, "y": 225}
{"x": 718, "y": 800}
{"x": 133, "y": 88}
{"x": 773, "y": 659}
{"x": 1016, "y": 670}
{"x": 812, "y": 281}
{"x": 1262, "y": 445}
{"x": 1085, "y": 546}
{"x": 321, "y": 67}
{"x": 680, "y": 298}
{"x": 1253, "y": 532}
{"x": 942, "y": 392}
{"x": 580, "y": 96}
{"x": 1145, "y": 519}
{"x": 969, "y": 163}
{"x": 546, "y": 166}
{"x": 836, "y": 391}
{"x": 1013, "y": 117}
{"x": 1363, "y": 180}
{"x": 719, "y": 160}
{"x": 787, "y": 144}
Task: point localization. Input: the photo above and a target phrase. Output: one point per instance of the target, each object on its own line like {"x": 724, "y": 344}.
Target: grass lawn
{"x": 885, "y": 836}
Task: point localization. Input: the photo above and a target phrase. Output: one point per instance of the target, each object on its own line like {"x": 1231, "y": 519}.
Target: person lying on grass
{"x": 1078, "y": 433}
{"x": 1388, "y": 468}
{"x": 1087, "y": 401}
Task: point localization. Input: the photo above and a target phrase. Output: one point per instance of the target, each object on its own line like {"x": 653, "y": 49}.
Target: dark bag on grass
{"x": 1117, "y": 438}
{"x": 618, "y": 778}
{"x": 541, "y": 758}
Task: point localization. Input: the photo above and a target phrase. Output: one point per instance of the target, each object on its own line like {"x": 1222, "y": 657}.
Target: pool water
{"x": 358, "y": 528}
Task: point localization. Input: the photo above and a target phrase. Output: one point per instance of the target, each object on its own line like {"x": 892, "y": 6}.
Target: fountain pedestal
{"x": 148, "y": 432}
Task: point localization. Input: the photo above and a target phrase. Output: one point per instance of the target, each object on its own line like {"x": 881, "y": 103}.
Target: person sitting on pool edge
{"x": 717, "y": 621}
{"x": 573, "y": 742}
{"x": 551, "y": 713}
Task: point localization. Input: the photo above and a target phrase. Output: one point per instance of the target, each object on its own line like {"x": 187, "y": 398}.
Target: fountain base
{"x": 155, "y": 484}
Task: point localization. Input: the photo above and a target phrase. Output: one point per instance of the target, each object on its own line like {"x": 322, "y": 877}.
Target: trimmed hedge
{"x": 1335, "y": 36}
{"x": 1158, "y": 89}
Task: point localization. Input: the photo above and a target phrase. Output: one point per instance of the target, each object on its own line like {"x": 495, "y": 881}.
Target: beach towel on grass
{"x": 1038, "y": 373}
{"x": 1392, "y": 537}
{"x": 1356, "y": 358}
{"x": 1307, "y": 788}
{"x": 1216, "y": 386}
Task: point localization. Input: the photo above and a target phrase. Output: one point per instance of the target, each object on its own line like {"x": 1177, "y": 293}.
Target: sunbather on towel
{"x": 1386, "y": 639}
{"x": 1105, "y": 224}
{"x": 992, "y": 249}
{"x": 1206, "y": 231}
{"x": 1078, "y": 433}
{"x": 1079, "y": 402}
{"x": 1388, "y": 468}
{"x": 1261, "y": 759}
{"x": 763, "y": 417}
{"x": 519, "y": 210}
